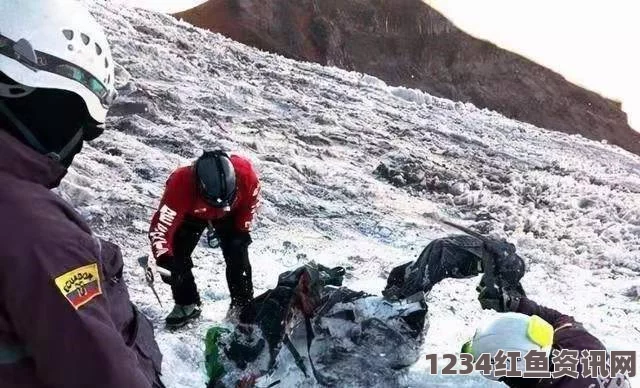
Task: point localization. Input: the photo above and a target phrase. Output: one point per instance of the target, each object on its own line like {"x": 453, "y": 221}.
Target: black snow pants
{"x": 238, "y": 267}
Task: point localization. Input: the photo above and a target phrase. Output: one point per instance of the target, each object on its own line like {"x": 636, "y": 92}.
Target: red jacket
{"x": 182, "y": 200}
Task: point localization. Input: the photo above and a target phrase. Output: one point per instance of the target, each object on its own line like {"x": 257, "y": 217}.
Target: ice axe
{"x": 488, "y": 262}
{"x": 148, "y": 274}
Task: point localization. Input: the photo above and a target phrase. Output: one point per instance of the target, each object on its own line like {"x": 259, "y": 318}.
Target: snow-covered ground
{"x": 165, "y": 6}
{"x": 318, "y": 136}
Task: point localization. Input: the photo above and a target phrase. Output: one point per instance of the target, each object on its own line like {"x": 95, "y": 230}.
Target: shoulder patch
{"x": 80, "y": 285}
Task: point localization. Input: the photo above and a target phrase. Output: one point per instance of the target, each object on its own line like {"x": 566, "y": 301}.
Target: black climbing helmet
{"x": 216, "y": 178}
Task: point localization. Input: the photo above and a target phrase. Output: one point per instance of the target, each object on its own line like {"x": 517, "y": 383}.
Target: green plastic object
{"x": 215, "y": 370}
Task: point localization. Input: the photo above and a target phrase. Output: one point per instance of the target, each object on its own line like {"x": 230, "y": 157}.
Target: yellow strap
{"x": 540, "y": 332}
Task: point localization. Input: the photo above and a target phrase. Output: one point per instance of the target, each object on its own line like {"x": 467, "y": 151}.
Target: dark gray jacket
{"x": 65, "y": 315}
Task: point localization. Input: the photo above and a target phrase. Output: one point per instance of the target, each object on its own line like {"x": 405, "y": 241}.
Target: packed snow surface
{"x": 355, "y": 173}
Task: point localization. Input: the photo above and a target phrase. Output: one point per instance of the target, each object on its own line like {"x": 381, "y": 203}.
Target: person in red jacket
{"x": 219, "y": 193}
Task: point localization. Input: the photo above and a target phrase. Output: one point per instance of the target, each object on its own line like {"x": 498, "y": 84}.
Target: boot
{"x": 181, "y": 315}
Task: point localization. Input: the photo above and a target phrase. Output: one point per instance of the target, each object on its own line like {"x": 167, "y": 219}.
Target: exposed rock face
{"x": 408, "y": 43}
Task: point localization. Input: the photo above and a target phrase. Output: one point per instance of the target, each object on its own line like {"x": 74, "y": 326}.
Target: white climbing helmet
{"x": 56, "y": 44}
{"x": 511, "y": 332}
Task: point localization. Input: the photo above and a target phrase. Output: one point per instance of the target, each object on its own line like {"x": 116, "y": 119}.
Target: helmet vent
{"x": 106, "y": 63}
{"x": 98, "y": 49}
{"x": 85, "y": 39}
{"x": 68, "y": 34}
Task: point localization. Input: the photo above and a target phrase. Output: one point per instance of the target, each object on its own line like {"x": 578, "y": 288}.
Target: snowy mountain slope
{"x": 318, "y": 137}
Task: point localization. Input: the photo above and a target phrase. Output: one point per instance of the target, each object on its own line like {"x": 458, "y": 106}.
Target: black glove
{"x": 498, "y": 298}
{"x": 178, "y": 271}
{"x": 509, "y": 268}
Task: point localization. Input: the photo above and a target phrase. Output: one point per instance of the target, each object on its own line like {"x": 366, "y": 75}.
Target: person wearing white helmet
{"x": 511, "y": 332}
{"x": 66, "y": 319}
{"x": 523, "y": 326}
{"x": 58, "y": 79}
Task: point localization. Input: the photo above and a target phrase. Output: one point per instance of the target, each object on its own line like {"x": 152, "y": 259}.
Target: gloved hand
{"x": 509, "y": 267}
{"x": 500, "y": 299}
{"x": 178, "y": 272}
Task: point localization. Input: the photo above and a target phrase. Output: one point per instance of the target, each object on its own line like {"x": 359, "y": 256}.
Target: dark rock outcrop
{"x": 408, "y": 43}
